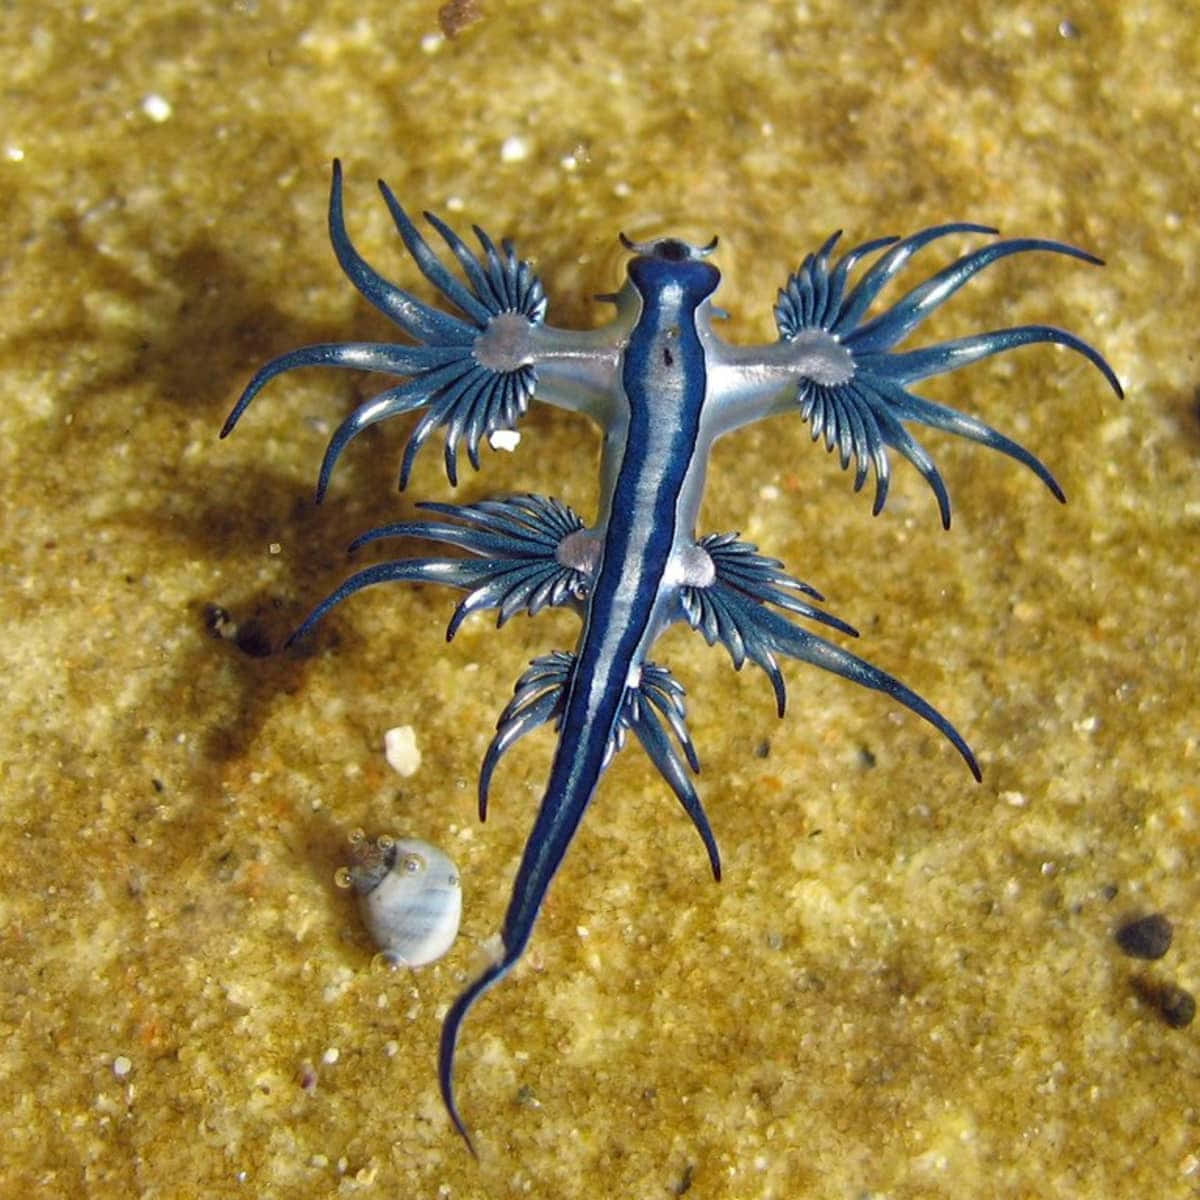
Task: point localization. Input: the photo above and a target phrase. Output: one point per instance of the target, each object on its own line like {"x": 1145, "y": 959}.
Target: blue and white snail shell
{"x": 409, "y": 896}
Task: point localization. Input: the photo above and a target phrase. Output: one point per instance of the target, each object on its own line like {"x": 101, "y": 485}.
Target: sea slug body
{"x": 662, "y": 386}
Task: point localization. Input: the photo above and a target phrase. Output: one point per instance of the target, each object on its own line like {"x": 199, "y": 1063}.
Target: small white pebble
{"x": 504, "y": 439}
{"x": 14, "y": 153}
{"x": 514, "y": 149}
{"x": 431, "y": 43}
{"x": 400, "y": 750}
{"x": 121, "y": 1066}
{"x": 331, "y": 1056}
{"x": 157, "y": 108}
{"x": 1015, "y": 799}
{"x": 768, "y": 493}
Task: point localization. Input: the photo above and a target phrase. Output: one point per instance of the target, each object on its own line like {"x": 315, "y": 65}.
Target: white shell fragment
{"x": 401, "y": 750}
{"x": 504, "y": 439}
{"x": 410, "y": 898}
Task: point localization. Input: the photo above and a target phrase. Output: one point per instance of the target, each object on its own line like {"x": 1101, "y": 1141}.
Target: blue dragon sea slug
{"x": 662, "y": 386}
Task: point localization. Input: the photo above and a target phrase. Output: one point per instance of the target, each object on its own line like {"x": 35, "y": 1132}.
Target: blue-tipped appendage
{"x": 442, "y": 374}
{"x": 863, "y": 414}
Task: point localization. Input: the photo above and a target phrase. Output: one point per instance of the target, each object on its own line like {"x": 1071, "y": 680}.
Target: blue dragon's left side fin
{"x": 516, "y": 568}
{"x": 461, "y": 372}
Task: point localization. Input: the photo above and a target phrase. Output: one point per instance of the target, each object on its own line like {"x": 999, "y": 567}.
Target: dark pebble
{"x": 252, "y": 639}
{"x": 1177, "y": 1005}
{"x": 1146, "y": 937}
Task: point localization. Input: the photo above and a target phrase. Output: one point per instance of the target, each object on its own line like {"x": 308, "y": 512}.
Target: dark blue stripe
{"x": 664, "y": 381}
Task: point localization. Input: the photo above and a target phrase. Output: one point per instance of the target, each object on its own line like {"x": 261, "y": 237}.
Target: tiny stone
{"x": 1177, "y": 1005}
{"x": 1146, "y": 937}
{"x": 122, "y": 1066}
{"x": 400, "y": 750}
{"x": 455, "y": 16}
{"x": 218, "y": 622}
{"x": 514, "y": 149}
{"x": 684, "y": 1184}
{"x": 156, "y": 108}
{"x": 504, "y": 439}
{"x": 252, "y": 639}
{"x": 1174, "y": 1004}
